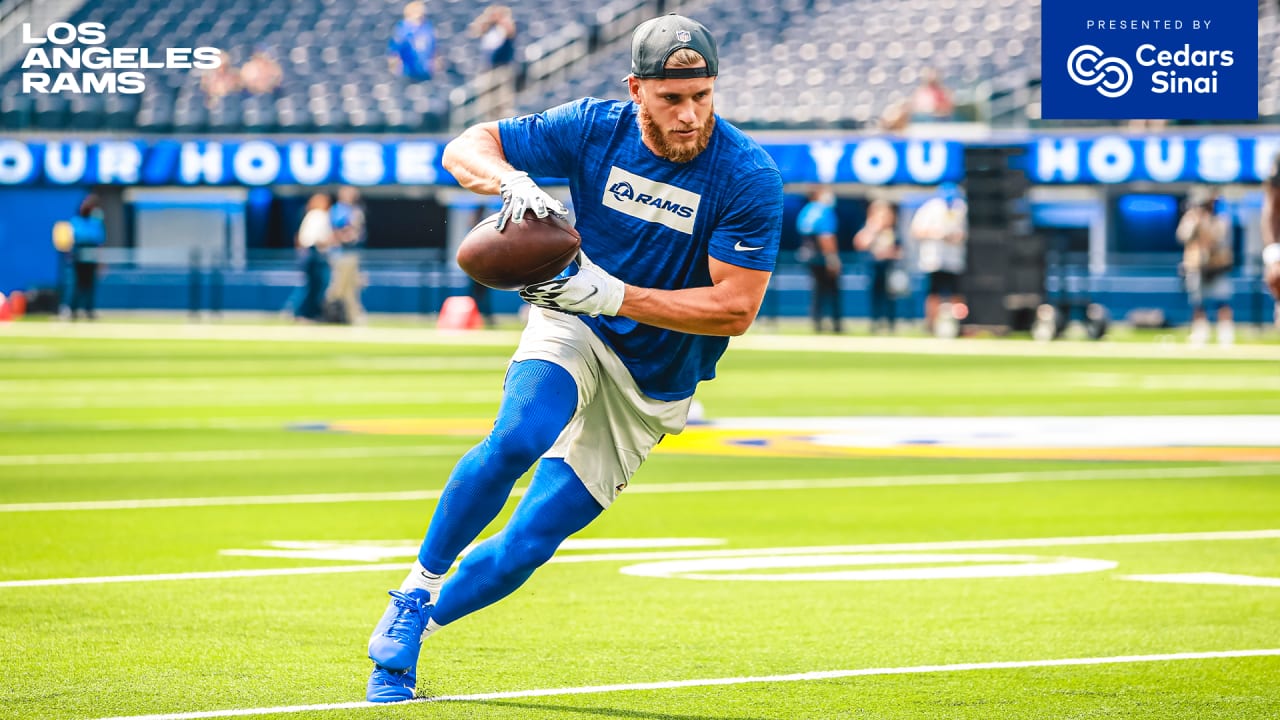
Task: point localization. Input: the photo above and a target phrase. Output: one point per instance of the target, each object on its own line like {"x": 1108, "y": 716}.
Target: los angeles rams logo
{"x": 622, "y": 191}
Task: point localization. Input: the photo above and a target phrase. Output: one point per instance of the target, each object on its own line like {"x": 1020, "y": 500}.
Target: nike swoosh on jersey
{"x": 745, "y": 248}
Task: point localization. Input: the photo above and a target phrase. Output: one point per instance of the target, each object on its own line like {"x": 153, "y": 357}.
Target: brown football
{"x": 523, "y": 253}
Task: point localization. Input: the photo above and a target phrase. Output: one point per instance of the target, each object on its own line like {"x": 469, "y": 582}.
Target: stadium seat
{"x": 769, "y": 49}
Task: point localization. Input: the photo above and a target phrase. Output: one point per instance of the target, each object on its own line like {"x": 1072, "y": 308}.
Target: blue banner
{"x": 1174, "y": 59}
{"x": 1051, "y": 159}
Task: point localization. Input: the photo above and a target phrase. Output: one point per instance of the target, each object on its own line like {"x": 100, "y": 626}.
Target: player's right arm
{"x": 476, "y": 160}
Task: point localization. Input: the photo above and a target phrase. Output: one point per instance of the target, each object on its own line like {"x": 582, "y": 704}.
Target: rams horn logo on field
{"x": 622, "y": 191}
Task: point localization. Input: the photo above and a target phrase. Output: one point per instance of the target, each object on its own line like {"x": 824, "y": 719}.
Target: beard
{"x": 667, "y": 145}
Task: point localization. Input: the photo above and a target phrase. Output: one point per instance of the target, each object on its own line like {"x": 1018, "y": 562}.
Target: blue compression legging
{"x": 539, "y": 399}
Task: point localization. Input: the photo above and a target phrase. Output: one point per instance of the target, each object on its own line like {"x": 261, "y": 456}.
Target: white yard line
{"x": 230, "y": 500}
{"x": 287, "y": 395}
{"x": 211, "y": 575}
{"x": 886, "y": 481}
{"x": 1208, "y": 578}
{"x": 201, "y": 456}
{"x": 758, "y": 339}
{"x": 717, "y": 682}
{"x": 1228, "y": 535}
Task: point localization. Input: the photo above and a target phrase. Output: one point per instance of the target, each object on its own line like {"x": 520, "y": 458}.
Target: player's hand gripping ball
{"x": 587, "y": 289}
{"x": 520, "y": 194}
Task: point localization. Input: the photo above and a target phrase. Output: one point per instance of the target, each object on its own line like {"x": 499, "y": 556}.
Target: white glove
{"x": 590, "y": 291}
{"x": 521, "y": 194}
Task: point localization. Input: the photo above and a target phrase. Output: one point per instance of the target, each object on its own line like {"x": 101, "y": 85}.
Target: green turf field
{"x": 206, "y": 526}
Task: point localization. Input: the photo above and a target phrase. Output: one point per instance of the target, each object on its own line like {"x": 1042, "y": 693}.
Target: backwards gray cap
{"x": 655, "y": 40}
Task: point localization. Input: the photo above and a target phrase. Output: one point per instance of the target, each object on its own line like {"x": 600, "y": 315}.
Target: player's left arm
{"x": 741, "y": 256}
{"x": 727, "y": 307}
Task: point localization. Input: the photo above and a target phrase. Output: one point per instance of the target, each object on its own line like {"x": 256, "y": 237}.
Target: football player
{"x": 680, "y": 215}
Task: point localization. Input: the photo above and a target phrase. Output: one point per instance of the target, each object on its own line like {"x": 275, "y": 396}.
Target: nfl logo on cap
{"x": 683, "y": 35}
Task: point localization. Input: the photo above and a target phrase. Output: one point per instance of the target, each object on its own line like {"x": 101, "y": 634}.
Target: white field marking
{"x": 1229, "y": 535}
{"x": 953, "y": 566}
{"x": 164, "y": 379}
{"x": 202, "y": 456}
{"x": 449, "y": 363}
{"x": 211, "y": 575}
{"x": 28, "y": 352}
{"x": 318, "y": 397}
{"x": 887, "y": 481}
{"x": 756, "y": 340}
{"x": 230, "y": 500}
{"x": 945, "y": 545}
{"x": 375, "y": 551}
{"x": 1170, "y": 473}
{"x": 1208, "y": 578}
{"x": 254, "y": 424}
{"x": 714, "y": 682}
{"x": 1029, "y": 431}
{"x": 637, "y": 543}
{"x": 1002, "y": 348}
{"x": 1134, "y": 381}
{"x": 262, "y": 333}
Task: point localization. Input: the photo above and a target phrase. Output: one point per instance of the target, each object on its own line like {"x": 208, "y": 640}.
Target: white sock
{"x": 1226, "y": 332}
{"x": 420, "y": 579}
{"x": 1199, "y": 332}
{"x": 431, "y": 627}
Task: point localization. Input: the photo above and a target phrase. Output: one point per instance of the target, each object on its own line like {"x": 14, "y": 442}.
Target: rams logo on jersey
{"x": 650, "y": 200}
{"x": 622, "y": 191}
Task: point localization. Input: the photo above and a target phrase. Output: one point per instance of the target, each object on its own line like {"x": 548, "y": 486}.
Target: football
{"x": 523, "y": 253}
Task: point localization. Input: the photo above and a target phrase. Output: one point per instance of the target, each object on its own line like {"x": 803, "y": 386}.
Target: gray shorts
{"x": 1217, "y": 289}
{"x": 615, "y": 425}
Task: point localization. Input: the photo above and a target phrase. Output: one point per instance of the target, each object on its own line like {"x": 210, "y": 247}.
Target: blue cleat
{"x": 386, "y": 686}
{"x": 397, "y": 638}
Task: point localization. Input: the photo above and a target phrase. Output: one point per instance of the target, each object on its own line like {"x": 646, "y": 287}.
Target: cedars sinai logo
{"x": 1150, "y": 59}
{"x": 1184, "y": 71}
{"x": 1110, "y": 76}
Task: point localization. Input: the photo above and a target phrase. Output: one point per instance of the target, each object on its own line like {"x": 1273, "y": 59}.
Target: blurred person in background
{"x": 315, "y": 236}
{"x": 931, "y": 101}
{"x": 940, "y": 232}
{"x": 348, "y": 220}
{"x": 817, "y": 226}
{"x": 879, "y": 238}
{"x": 411, "y": 51}
{"x": 219, "y": 82}
{"x": 1271, "y": 235}
{"x": 1206, "y": 264}
{"x": 88, "y": 233}
{"x": 261, "y": 75}
{"x": 496, "y": 29}
{"x": 896, "y": 117}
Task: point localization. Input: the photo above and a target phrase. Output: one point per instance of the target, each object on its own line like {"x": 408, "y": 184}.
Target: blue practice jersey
{"x": 816, "y": 218}
{"x": 415, "y": 45}
{"x": 653, "y": 223}
{"x": 88, "y": 231}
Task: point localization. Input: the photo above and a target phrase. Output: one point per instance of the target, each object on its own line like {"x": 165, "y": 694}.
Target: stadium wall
{"x": 42, "y": 179}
